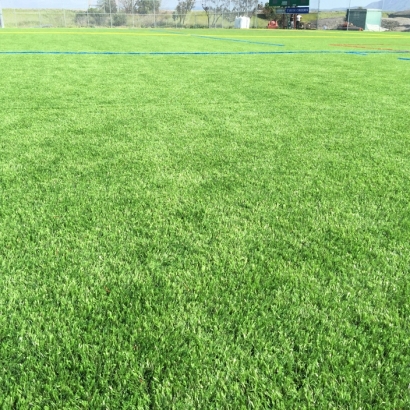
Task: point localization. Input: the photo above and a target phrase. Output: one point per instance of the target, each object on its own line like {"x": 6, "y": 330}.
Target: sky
{"x": 165, "y": 4}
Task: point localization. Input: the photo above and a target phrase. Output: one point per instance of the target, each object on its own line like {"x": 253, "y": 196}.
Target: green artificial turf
{"x": 204, "y": 231}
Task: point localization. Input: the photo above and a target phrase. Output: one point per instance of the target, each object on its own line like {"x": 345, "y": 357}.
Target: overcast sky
{"x": 165, "y": 4}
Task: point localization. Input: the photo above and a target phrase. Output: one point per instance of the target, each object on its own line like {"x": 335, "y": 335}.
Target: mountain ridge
{"x": 390, "y": 5}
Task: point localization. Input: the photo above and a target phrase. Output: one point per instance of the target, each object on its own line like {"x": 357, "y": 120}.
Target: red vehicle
{"x": 273, "y": 24}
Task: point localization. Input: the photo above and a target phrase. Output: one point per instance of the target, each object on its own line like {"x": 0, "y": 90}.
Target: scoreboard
{"x": 288, "y": 3}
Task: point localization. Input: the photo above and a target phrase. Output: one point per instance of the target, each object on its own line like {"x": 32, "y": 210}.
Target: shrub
{"x": 119, "y": 20}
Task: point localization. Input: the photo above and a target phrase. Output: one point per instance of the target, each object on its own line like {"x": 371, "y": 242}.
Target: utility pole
{"x": 1, "y": 17}
{"x": 317, "y": 18}
{"x": 133, "y": 15}
{"x": 348, "y": 16}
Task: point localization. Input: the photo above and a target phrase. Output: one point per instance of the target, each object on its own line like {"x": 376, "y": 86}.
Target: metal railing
{"x": 65, "y": 18}
{"x": 164, "y": 19}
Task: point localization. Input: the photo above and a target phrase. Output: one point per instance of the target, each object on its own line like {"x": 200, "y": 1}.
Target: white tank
{"x": 242, "y": 22}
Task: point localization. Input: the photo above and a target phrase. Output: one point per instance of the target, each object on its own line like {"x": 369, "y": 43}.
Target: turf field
{"x": 204, "y": 219}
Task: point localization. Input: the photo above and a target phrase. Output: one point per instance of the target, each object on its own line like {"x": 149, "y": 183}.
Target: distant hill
{"x": 390, "y": 5}
{"x": 405, "y": 14}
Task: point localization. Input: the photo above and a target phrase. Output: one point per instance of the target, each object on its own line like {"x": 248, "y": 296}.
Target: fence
{"x": 69, "y": 18}
{"x": 43, "y": 18}
{"x": 390, "y": 21}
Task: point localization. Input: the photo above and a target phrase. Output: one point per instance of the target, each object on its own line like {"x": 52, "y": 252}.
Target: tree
{"x": 119, "y": 20}
{"x": 270, "y": 12}
{"x": 214, "y": 10}
{"x": 147, "y": 6}
{"x": 108, "y": 6}
{"x": 128, "y": 6}
{"x": 182, "y": 9}
{"x": 97, "y": 17}
{"x": 248, "y": 7}
{"x": 93, "y": 17}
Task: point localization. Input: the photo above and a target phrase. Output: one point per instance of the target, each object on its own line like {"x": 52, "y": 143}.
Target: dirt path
{"x": 397, "y": 23}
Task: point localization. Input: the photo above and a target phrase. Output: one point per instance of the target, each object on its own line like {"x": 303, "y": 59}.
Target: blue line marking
{"x": 140, "y": 52}
{"x": 240, "y": 41}
{"x": 223, "y": 39}
{"x": 359, "y": 53}
{"x": 402, "y": 58}
{"x": 167, "y": 53}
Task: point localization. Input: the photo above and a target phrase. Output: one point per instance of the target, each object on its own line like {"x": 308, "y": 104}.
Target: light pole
{"x": 1, "y": 17}
{"x": 229, "y": 14}
{"x": 317, "y": 18}
{"x": 132, "y": 11}
{"x": 348, "y": 16}
{"x": 155, "y": 17}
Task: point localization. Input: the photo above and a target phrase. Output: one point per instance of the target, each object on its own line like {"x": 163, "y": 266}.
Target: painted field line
{"x": 273, "y": 37}
{"x": 316, "y": 35}
{"x": 171, "y": 53}
{"x": 159, "y": 34}
{"x": 367, "y": 47}
{"x": 90, "y": 34}
{"x": 143, "y": 52}
{"x": 238, "y": 40}
{"x": 402, "y": 58}
{"x": 290, "y": 36}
